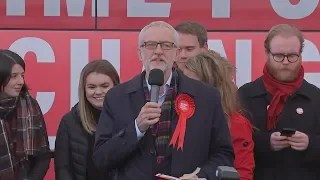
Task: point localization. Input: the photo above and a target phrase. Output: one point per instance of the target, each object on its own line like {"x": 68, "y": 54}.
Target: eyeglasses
{"x": 153, "y": 45}
{"x": 280, "y": 57}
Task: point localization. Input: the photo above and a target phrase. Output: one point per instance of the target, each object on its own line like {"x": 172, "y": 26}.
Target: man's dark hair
{"x": 195, "y": 29}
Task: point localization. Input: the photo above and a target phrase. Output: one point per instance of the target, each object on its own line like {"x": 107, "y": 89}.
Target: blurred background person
{"x": 24, "y": 152}
{"x": 76, "y": 132}
{"x": 212, "y": 68}
{"x": 230, "y": 68}
{"x": 193, "y": 39}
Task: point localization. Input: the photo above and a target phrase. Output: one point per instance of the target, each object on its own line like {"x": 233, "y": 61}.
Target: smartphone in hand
{"x": 288, "y": 132}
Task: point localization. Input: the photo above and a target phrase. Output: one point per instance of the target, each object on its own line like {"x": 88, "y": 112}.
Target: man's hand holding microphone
{"x": 151, "y": 111}
{"x": 148, "y": 116}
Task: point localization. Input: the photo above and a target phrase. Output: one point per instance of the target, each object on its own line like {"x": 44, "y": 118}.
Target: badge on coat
{"x": 185, "y": 108}
{"x": 299, "y": 110}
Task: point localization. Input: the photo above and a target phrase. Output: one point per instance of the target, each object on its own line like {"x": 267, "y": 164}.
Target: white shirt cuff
{"x": 139, "y": 133}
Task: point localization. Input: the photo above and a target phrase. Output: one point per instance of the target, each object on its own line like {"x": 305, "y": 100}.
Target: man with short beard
{"x": 281, "y": 98}
{"x": 185, "y": 134}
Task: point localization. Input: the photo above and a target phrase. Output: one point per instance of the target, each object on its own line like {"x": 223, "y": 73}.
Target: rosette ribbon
{"x": 185, "y": 108}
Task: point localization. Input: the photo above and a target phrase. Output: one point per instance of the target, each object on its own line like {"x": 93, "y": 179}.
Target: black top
{"x": 92, "y": 172}
{"x": 73, "y": 150}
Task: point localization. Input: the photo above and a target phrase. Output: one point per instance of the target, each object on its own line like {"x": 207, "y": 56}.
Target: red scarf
{"x": 280, "y": 92}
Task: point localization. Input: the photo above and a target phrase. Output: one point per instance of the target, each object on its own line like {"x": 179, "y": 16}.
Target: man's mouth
{"x": 158, "y": 60}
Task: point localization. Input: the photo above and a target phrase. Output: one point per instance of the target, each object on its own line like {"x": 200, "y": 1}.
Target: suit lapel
{"x": 184, "y": 87}
{"x": 137, "y": 97}
{"x": 137, "y": 101}
{"x": 136, "y": 94}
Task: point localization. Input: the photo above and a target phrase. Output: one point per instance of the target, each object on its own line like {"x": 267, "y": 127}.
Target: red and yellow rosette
{"x": 185, "y": 108}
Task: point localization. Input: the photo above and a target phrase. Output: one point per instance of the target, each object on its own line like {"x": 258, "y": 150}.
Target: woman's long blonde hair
{"x": 85, "y": 108}
{"x": 217, "y": 71}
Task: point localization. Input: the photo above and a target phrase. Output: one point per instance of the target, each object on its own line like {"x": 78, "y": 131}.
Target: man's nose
{"x": 183, "y": 54}
{"x": 158, "y": 49}
{"x": 286, "y": 61}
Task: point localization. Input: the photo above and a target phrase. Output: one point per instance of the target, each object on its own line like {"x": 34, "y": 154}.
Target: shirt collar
{"x": 166, "y": 85}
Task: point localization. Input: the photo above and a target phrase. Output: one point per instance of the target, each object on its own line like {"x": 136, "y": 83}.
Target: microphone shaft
{"x": 154, "y": 93}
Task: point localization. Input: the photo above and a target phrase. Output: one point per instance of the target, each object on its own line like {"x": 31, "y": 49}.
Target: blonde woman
{"x": 217, "y": 71}
{"x": 76, "y": 133}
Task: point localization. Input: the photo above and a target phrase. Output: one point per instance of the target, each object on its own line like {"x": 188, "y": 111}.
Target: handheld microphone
{"x": 227, "y": 173}
{"x": 156, "y": 80}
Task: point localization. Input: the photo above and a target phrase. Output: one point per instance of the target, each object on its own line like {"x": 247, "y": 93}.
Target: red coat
{"x": 241, "y": 133}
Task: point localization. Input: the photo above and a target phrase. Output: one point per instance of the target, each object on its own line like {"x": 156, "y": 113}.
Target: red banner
{"x": 134, "y": 14}
{"x": 50, "y": 14}
{"x": 54, "y": 60}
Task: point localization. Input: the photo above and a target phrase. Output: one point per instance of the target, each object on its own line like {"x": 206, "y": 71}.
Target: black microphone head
{"x": 156, "y": 77}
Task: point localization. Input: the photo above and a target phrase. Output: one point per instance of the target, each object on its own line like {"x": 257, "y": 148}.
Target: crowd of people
{"x": 268, "y": 129}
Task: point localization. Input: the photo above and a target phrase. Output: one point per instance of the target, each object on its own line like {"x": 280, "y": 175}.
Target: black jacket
{"x": 286, "y": 164}
{"x": 71, "y": 149}
{"x": 207, "y": 142}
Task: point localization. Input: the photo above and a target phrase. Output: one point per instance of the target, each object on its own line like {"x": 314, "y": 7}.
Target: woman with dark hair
{"x": 217, "y": 71}
{"x": 24, "y": 151}
{"x": 76, "y": 134}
